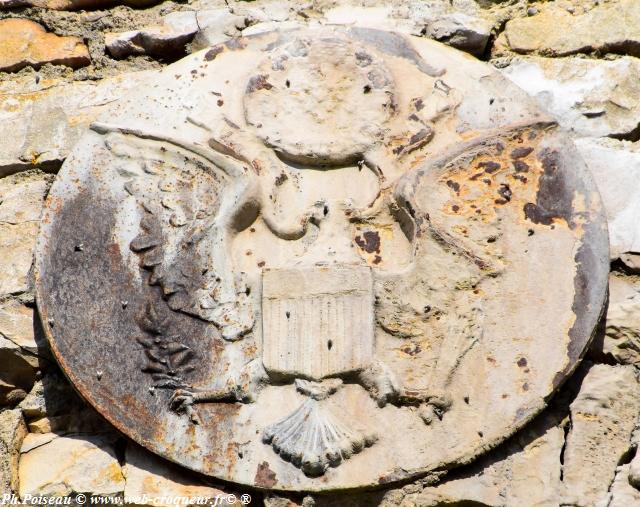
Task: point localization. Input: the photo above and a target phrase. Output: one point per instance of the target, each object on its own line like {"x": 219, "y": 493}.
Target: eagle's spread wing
{"x": 187, "y": 205}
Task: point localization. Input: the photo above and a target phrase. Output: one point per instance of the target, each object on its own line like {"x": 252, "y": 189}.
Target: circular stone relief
{"x": 322, "y": 259}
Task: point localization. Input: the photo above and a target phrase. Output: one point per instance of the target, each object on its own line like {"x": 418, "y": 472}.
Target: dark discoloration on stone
{"x": 505, "y": 192}
{"x": 213, "y": 52}
{"x": 521, "y": 152}
{"x": 265, "y": 477}
{"x": 258, "y": 83}
{"x": 520, "y": 166}
{"x": 489, "y": 167}
{"x": 453, "y": 185}
{"x": 103, "y": 337}
{"x": 554, "y": 198}
{"x": 236, "y": 43}
{"x": 394, "y": 44}
{"x": 369, "y": 241}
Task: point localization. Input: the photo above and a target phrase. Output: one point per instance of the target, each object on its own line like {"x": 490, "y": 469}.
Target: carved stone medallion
{"x": 322, "y": 259}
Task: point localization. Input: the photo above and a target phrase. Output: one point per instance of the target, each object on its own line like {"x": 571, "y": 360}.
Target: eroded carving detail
{"x": 330, "y": 234}
{"x": 312, "y": 437}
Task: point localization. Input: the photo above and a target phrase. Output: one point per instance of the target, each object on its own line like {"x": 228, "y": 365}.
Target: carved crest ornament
{"x": 322, "y": 259}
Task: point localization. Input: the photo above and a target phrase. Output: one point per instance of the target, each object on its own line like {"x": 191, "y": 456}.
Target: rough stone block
{"x": 603, "y": 417}
{"x": 612, "y": 27}
{"x": 587, "y": 97}
{"x": 12, "y": 432}
{"x": 25, "y": 43}
{"x": 55, "y": 465}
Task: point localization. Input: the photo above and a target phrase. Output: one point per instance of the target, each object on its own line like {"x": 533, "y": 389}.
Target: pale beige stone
{"x": 21, "y": 199}
{"x": 313, "y": 344}
{"x": 165, "y": 39}
{"x": 621, "y": 340}
{"x": 149, "y": 476}
{"x": 611, "y": 27}
{"x": 216, "y": 26}
{"x": 615, "y": 166}
{"x": 26, "y": 43}
{"x": 462, "y": 26}
{"x": 70, "y": 5}
{"x": 39, "y": 125}
{"x": 16, "y": 256}
{"x": 622, "y": 492}
{"x": 603, "y": 417}
{"x": 588, "y": 97}
{"x": 12, "y": 432}
{"x": 56, "y": 465}
{"x": 525, "y": 471}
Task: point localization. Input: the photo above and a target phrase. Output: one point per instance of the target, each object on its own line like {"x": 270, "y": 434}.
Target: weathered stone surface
{"x": 165, "y": 40}
{"x": 216, "y": 26}
{"x": 51, "y": 396}
{"x": 20, "y": 355}
{"x": 330, "y": 168}
{"x": 21, "y": 199}
{"x": 621, "y": 340}
{"x": 615, "y": 165}
{"x": 603, "y": 417}
{"x": 70, "y": 5}
{"x": 38, "y": 128}
{"x": 153, "y": 478}
{"x": 590, "y": 98}
{"x": 622, "y": 493}
{"x": 12, "y": 432}
{"x": 25, "y": 43}
{"x": 16, "y": 256}
{"x": 633, "y": 475}
{"x": 612, "y": 27}
{"x": 55, "y": 465}
{"x": 462, "y": 28}
{"x": 525, "y": 471}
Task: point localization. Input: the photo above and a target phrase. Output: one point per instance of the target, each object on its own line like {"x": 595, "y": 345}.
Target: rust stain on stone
{"x": 369, "y": 241}
{"x": 554, "y": 198}
{"x": 493, "y": 179}
{"x": 265, "y": 477}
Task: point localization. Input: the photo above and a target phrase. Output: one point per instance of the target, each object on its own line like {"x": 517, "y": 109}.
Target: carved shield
{"x": 317, "y": 322}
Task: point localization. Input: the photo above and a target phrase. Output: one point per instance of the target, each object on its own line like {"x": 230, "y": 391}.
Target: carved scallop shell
{"x": 313, "y": 439}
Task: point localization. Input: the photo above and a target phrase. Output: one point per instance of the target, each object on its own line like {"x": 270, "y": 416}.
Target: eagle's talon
{"x": 182, "y": 400}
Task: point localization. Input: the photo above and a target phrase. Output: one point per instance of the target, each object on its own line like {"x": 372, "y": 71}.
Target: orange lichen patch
{"x": 505, "y": 173}
{"x": 25, "y": 43}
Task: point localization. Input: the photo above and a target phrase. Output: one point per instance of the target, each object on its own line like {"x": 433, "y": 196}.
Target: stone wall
{"x": 62, "y": 61}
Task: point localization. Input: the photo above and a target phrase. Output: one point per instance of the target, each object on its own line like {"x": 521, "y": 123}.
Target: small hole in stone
{"x": 366, "y": 89}
{"x": 329, "y": 344}
{"x": 325, "y": 210}
{"x": 491, "y": 101}
{"x": 248, "y": 291}
{"x": 288, "y": 314}
{"x": 287, "y": 83}
{"x": 530, "y": 232}
{"x": 480, "y": 434}
{"x": 427, "y": 309}
{"x": 466, "y": 400}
